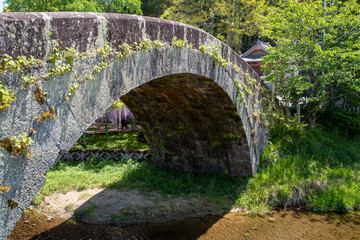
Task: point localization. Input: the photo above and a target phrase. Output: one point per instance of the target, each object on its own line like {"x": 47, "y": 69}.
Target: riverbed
{"x": 280, "y": 224}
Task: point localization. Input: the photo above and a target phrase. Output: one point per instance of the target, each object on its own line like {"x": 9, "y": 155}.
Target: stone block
{"x": 57, "y": 88}
{"x": 83, "y": 105}
{"x": 65, "y": 129}
{"x": 45, "y": 150}
{"x": 8, "y": 219}
{"x": 22, "y": 176}
{"x": 19, "y": 118}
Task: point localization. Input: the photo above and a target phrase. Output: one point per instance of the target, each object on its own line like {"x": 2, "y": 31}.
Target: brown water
{"x": 280, "y": 225}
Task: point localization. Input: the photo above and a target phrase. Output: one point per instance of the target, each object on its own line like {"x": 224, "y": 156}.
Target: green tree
{"x": 121, "y": 6}
{"x": 115, "y": 6}
{"x": 81, "y": 6}
{"x": 228, "y": 20}
{"x": 306, "y": 67}
{"x": 243, "y": 21}
{"x": 155, "y": 8}
{"x": 204, "y": 14}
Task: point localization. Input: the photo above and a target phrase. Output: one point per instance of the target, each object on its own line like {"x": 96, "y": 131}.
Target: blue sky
{"x": 1, "y": 5}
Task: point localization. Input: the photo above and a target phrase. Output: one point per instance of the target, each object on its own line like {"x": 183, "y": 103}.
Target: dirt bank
{"x": 107, "y": 206}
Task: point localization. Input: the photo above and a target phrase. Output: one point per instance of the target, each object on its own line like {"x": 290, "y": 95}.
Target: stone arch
{"x": 190, "y": 90}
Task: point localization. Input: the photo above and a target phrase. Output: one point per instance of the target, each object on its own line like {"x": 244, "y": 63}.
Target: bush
{"x": 319, "y": 169}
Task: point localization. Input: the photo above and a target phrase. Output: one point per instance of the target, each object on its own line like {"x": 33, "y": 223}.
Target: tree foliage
{"x": 306, "y": 67}
{"x": 114, "y": 6}
{"x": 228, "y": 20}
{"x": 155, "y": 8}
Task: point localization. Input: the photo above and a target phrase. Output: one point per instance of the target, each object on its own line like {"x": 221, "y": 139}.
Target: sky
{"x": 1, "y": 5}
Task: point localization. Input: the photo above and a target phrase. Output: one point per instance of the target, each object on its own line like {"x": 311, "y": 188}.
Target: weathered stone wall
{"x": 185, "y": 100}
{"x": 192, "y": 125}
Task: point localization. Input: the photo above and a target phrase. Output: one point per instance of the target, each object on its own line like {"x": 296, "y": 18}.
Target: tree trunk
{"x": 312, "y": 120}
{"x": 229, "y": 40}
{"x": 287, "y": 110}
{"x": 158, "y": 8}
{"x": 312, "y": 117}
{"x": 212, "y": 25}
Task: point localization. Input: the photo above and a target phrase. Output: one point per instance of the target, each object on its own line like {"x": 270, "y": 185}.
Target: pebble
{"x": 271, "y": 219}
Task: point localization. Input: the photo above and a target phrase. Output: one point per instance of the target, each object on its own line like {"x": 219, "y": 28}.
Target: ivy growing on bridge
{"x": 17, "y": 145}
{"x": 63, "y": 61}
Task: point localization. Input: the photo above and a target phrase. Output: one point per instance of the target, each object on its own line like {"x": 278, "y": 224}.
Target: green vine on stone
{"x": 247, "y": 90}
{"x": 58, "y": 70}
{"x": 17, "y": 145}
{"x": 73, "y": 88}
{"x": 69, "y": 54}
{"x": 64, "y": 61}
{"x": 46, "y": 115}
{"x": 6, "y": 96}
{"x": 231, "y": 135}
{"x": 20, "y": 64}
{"x": 125, "y": 50}
{"x": 27, "y": 81}
{"x": 180, "y": 43}
{"x": 7, "y": 63}
{"x": 214, "y": 51}
{"x": 100, "y": 67}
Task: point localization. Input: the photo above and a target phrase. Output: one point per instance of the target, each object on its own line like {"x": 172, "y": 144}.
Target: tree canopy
{"x": 155, "y": 8}
{"x": 114, "y": 6}
{"x": 228, "y": 20}
{"x": 317, "y": 54}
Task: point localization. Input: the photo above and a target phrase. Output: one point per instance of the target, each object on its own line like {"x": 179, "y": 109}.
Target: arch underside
{"x": 191, "y": 124}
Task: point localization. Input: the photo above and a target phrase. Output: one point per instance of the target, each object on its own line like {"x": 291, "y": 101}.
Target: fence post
{"x": 84, "y": 140}
{"x": 106, "y": 132}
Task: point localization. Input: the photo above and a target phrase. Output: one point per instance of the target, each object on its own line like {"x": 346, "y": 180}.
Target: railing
{"x": 113, "y": 154}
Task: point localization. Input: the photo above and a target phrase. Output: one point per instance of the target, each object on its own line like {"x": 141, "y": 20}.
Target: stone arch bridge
{"x": 198, "y": 114}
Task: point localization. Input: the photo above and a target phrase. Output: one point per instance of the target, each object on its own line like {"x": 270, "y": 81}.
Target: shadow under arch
{"x": 191, "y": 124}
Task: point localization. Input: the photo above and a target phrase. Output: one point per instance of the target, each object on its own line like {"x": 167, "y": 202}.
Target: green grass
{"x": 120, "y": 140}
{"x": 66, "y": 176}
{"x": 318, "y": 170}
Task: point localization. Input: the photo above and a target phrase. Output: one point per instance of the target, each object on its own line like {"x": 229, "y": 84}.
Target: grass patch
{"x": 88, "y": 211}
{"x": 119, "y": 140}
{"x": 71, "y": 175}
{"x": 318, "y": 169}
